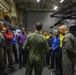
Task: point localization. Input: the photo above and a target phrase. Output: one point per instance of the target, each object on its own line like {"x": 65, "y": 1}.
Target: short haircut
{"x": 45, "y": 31}
{"x": 29, "y": 30}
{"x": 1, "y": 23}
{"x": 38, "y": 26}
{"x": 51, "y": 32}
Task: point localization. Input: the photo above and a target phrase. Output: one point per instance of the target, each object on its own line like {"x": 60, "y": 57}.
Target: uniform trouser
{"x": 15, "y": 52}
{"x": 38, "y": 67}
{"x": 9, "y": 54}
{"x": 48, "y": 55}
{"x": 54, "y": 59}
{"x": 68, "y": 65}
{"x": 1, "y": 71}
{"x": 5, "y": 55}
{"x": 22, "y": 54}
{"x": 60, "y": 59}
{"x": 2, "y": 65}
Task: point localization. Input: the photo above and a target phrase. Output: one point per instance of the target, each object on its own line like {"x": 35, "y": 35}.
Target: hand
{"x": 50, "y": 48}
{"x": 9, "y": 36}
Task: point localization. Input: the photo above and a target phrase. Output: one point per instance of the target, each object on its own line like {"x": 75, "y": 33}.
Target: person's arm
{"x": 11, "y": 35}
{"x": 46, "y": 46}
{"x": 69, "y": 44}
{"x": 57, "y": 46}
{"x": 26, "y": 43}
{"x": 18, "y": 39}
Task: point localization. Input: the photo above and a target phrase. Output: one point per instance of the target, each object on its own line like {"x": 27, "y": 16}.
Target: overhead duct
{"x": 6, "y": 23}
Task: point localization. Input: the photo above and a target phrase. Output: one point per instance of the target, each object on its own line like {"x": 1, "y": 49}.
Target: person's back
{"x": 37, "y": 45}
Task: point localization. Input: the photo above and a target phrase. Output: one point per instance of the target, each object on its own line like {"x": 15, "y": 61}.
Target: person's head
{"x": 56, "y": 33}
{"x": 45, "y": 33}
{"x": 30, "y": 31}
{"x": 4, "y": 30}
{"x": 65, "y": 29}
{"x": 7, "y": 29}
{"x": 60, "y": 30}
{"x": 38, "y": 26}
{"x": 23, "y": 31}
{"x": 50, "y": 34}
{"x": 1, "y": 25}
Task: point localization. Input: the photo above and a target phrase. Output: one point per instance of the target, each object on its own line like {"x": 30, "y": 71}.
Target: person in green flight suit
{"x": 2, "y": 65}
{"x": 68, "y": 52}
{"x": 37, "y": 45}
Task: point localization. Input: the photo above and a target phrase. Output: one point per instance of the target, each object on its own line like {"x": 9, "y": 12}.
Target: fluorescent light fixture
{"x": 55, "y": 8}
{"x": 61, "y": 1}
{"x": 38, "y": 0}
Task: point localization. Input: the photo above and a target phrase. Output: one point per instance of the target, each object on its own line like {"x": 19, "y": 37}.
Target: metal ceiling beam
{"x": 36, "y": 9}
{"x": 41, "y": 3}
{"x": 74, "y": 4}
{"x": 40, "y": 10}
{"x": 64, "y": 17}
{"x": 48, "y": 2}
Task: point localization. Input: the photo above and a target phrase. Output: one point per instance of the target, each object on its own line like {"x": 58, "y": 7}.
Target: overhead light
{"x": 61, "y": 1}
{"x": 55, "y": 8}
{"x": 38, "y": 0}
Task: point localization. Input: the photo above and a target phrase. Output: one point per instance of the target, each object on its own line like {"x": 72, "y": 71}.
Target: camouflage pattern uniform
{"x": 2, "y": 65}
{"x": 9, "y": 53}
{"x": 9, "y": 37}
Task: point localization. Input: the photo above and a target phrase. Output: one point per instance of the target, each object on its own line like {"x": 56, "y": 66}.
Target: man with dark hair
{"x": 46, "y": 35}
{"x": 37, "y": 45}
{"x": 38, "y": 26}
{"x": 21, "y": 38}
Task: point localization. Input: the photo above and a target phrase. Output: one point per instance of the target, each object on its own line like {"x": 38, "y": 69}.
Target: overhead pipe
{"x": 6, "y": 7}
{"x": 2, "y": 8}
{"x": 72, "y": 17}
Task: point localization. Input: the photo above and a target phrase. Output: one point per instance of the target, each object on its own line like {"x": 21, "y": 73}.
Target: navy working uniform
{"x": 49, "y": 40}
